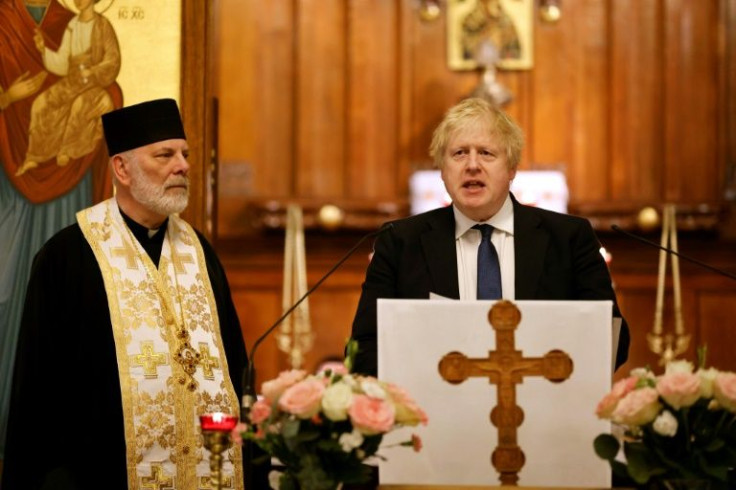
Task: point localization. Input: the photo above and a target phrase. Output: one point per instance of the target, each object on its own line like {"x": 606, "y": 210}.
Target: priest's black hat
{"x": 142, "y": 124}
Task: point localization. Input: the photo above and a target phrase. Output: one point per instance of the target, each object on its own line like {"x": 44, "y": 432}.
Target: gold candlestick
{"x": 668, "y": 346}
{"x": 216, "y": 428}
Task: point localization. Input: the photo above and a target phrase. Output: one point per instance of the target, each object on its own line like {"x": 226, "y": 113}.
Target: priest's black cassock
{"x": 65, "y": 427}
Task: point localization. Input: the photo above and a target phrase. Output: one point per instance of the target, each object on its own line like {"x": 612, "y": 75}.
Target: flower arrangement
{"x": 680, "y": 425}
{"x": 323, "y": 427}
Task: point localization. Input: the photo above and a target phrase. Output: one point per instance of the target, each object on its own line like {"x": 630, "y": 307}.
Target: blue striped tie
{"x": 489, "y": 270}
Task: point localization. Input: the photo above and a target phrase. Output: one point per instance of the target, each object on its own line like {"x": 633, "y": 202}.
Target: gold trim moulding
{"x": 690, "y": 217}
{"x": 324, "y": 214}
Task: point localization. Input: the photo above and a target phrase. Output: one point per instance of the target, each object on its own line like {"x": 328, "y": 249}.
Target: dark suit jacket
{"x": 557, "y": 258}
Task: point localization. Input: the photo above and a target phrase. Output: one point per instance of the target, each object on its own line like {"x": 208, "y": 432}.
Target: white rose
{"x": 679, "y": 366}
{"x": 642, "y": 373}
{"x": 349, "y": 380}
{"x": 274, "y": 478}
{"x": 665, "y": 424}
{"x": 373, "y": 389}
{"x": 350, "y": 440}
{"x": 336, "y": 400}
{"x": 707, "y": 376}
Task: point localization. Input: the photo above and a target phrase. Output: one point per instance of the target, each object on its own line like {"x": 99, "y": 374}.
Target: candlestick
{"x": 668, "y": 346}
{"x": 216, "y": 428}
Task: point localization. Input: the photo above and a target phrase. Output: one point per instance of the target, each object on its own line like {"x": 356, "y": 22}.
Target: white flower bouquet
{"x": 323, "y": 427}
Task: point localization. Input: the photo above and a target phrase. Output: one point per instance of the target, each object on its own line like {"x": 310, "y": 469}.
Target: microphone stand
{"x": 249, "y": 374}
{"x": 678, "y": 254}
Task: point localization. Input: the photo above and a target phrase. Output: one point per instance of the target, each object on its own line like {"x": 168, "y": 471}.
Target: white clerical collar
{"x": 503, "y": 220}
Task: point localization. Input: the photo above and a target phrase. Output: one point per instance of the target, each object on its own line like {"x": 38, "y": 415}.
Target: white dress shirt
{"x": 467, "y": 241}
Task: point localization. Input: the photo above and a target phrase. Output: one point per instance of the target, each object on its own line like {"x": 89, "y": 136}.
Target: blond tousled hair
{"x": 478, "y": 111}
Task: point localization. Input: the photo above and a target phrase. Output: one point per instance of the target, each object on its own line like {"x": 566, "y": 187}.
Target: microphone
{"x": 678, "y": 254}
{"x": 249, "y": 392}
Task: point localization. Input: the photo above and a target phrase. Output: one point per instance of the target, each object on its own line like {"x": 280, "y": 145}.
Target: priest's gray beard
{"x": 155, "y": 197}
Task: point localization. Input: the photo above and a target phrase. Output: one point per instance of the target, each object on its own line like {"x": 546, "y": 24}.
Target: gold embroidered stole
{"x": 169, "y": 351}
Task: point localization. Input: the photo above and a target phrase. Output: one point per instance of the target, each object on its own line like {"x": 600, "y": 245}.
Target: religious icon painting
{"x": 503, "y": 27}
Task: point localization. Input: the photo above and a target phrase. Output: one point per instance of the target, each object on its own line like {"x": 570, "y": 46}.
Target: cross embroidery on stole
{"x": 128, "y": 253}
{"x": 206, "y": 483}
{"x": 207, "y": 362}
{"x": 148, "y": 359}
{"x": 178, "y": 260}
{"x": 506, "y": 367}
{"x": 158, "y": 480}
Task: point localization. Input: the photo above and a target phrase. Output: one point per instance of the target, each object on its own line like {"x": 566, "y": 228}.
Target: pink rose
{"x": 260, "y": 411}
{"x": 416, "y": 443}
{"x": 639, "y": 407}
{"x": 371, "y": 415}
{"x": 724, "y": 389}
{"x": 335, "y": 367}
{"x": 237, "y": 433}
{"x": 272, "y": 389}
{"x": 679, "y": 389}
{"x": 303, "y": 399}
{"x": 620, "y": 389}
{"x": 407, "y": 410}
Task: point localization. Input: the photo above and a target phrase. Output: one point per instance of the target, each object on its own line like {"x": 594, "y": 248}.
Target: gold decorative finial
{"x": 330, "y": 216}
{"x": 550, "y": 11}
{"x": 647, "y": 219}
{"x": 429, "y": 10}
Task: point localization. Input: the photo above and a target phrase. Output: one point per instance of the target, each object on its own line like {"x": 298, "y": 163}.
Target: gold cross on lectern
{"x": 506, "y": 367}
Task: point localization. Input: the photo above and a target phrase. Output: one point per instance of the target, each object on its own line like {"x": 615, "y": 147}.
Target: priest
{"x": 128, "y": 333}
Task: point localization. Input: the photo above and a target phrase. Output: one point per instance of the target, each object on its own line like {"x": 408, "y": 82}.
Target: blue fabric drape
{"x": 24, "y": 228}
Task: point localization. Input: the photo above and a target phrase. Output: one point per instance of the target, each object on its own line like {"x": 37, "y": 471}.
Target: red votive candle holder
{"x": 218, "y": 421}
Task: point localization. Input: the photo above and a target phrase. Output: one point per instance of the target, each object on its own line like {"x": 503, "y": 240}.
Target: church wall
{"x": 334, "y": 102}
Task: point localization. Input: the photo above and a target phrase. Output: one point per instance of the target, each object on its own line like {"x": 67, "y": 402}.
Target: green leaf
{"x": 307, "y": 435}
{"x": 606, "y": 446}
{"x": 715, "y": 464}
{"x": 702, "y": 355}
{"x": 351, "y": 350}
{"x": 290, "y": 428}
{"x": 642, "y": 463}
{"x": 715, "y": 445}
{"x": 288, "y": 482}
{"x": 621, "y": 471}
{"x": 312, "y": 476}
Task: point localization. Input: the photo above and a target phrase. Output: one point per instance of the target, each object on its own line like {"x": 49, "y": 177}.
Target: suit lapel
{"x": 438, "y": 246}
{"x": 530, "y": 245}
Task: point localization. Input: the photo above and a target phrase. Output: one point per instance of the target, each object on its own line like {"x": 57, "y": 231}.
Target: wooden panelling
{"x": 373, "y": 96}
{"x": 708, "y": 298}
{"x": 550, "y": 94}
{"x": 255, "y": 88}
{"x": 195, "y": 108}
{"x": 708, "y": 307}
{"x": 691, "y": 101}
{"x": 321, "y": 99}
{"x": 256, "y": 287}
{"x": 589, "y": 130}
{"x": 335, "y": 101}
{"x": 636, "y": 101}
{"x": 716, "y": 312}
